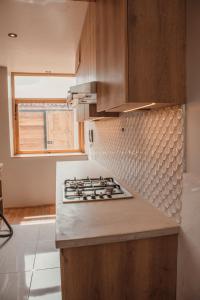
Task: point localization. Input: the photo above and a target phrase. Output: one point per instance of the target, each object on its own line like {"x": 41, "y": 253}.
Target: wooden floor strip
{"x": 25, "y": 214}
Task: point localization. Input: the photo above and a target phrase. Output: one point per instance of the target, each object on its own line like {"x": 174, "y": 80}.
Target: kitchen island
{"x": 116, "y": 249}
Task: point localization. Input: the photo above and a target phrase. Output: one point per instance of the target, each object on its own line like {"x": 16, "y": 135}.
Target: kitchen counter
{"x": 101, "y": 222}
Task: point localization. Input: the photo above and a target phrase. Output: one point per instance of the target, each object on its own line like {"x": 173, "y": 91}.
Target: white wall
{"x": 26, "y": 181}
{"x": 189, "y": 246}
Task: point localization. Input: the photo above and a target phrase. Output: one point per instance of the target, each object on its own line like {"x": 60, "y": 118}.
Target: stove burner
{"x": 93, "y": 189}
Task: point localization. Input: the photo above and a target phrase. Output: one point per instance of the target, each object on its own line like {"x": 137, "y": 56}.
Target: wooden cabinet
{"x": 140, "y": 46}
{"x": 1, "y": 195}
{"x": 86, "y": 64}
{"x": 89, "y": 112}
{"x": 86, "y": 53}
{"x": 140, "y": 270}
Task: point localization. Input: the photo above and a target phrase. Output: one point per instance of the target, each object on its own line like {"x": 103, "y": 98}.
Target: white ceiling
{"x": 48, "y": 34}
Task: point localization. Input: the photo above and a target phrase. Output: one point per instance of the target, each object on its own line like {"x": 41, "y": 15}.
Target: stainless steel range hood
{"x": 84, "y": 93}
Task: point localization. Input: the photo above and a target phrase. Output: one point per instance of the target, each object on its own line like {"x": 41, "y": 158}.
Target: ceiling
{"x": 48, "y": 34}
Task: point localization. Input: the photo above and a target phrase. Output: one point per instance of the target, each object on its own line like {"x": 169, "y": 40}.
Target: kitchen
{"x": 127, "y": 213}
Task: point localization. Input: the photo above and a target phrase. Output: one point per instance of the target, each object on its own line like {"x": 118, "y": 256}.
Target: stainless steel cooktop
{"x": 93, "y": 189}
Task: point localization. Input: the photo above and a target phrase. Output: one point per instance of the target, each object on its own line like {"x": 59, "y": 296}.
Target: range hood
{"x": 85, "y": 93}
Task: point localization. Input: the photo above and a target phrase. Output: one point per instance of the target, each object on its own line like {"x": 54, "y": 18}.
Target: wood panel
{"x": 51, "y": 130}
{"x": 85, "y": 0}
{"x": 29, "y": 214}
{"x": 140, "y": 53}
{"x": 87, "y": 48}
{"x": 44, "y": 74}
{"x": 86, "y": 73}
{"x": 156, "y": 56}
{"x": 92, "y": 113}
{"x": 139, "y": 270}
{"x": 60, "y": 130}
{"x": 31, "y": 131}
{"x": 1, "y": 211}
{"x": 111, "y": 40}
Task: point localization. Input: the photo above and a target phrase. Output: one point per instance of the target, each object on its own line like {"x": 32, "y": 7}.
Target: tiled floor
{"x": 29, "y": 263}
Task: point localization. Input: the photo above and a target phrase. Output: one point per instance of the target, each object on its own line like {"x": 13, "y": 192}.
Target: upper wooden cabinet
{"x": 86, "y": 53}
{"x": 140, "y": 47}
{"x": 86, "y": 65}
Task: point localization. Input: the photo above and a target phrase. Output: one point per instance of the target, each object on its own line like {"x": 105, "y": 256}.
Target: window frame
{"x": 15, "y": 119}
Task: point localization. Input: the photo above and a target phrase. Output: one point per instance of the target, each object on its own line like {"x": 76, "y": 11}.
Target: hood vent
{"x": 83, "y": 93}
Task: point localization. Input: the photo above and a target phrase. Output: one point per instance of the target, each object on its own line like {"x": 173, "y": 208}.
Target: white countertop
{"x": 90, "y": 223}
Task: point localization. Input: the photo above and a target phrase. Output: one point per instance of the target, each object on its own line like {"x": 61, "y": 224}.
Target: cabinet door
{"x": 134, "y": 270}
{"x": 87, "y": 48}
{"x": 111, "y": 43}
{"x": 156, "y": 56}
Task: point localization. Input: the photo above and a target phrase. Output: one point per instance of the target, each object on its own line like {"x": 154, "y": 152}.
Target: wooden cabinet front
{"x": 86, "y": 53}
{"x": 111, "y": 53}
{"x": 156, "y": 56}
{"x": 140, "y": 53}
{"x": 140, "y": 270}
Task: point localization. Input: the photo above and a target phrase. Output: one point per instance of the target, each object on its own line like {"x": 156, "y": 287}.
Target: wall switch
{"x": 91, "y": 136}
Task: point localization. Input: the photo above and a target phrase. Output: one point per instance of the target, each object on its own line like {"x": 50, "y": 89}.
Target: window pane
{"x": 42, "y": 86}
{"x": 60, "y": 133}
{"x": 31, "y": 131}
{"x": 47, "y": 126}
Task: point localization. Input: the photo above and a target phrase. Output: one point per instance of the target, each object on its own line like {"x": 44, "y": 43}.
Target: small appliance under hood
{"x": 85, "y": 93}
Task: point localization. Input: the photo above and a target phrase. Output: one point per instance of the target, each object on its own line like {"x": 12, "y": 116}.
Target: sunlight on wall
{"x": 43, "y": 86}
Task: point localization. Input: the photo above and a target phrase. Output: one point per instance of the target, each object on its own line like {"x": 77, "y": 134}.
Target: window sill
{"x": 67, "y": 156}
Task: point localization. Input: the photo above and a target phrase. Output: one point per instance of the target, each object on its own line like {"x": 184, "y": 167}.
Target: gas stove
{"x": 93, "y": 189}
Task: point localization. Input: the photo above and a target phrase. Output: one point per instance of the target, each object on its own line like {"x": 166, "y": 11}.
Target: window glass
{"x": 43, "y": 86}
{"x": 47, "y": 127}
{"x": 43, "y": 121}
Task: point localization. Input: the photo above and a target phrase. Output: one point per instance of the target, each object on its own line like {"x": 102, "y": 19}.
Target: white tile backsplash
{"x": 144, "y": 149}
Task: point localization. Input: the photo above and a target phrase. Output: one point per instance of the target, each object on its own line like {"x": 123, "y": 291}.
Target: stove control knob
{"x": 84, "y": 197}
{"x": 79, "y": 192}
{"x": 93, "y": 197}
{"x": 101, "y": 196}
{"x": 109, "y": 190}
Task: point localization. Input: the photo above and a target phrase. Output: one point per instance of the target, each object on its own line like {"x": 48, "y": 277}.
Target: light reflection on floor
{"x": 29, "y": 261}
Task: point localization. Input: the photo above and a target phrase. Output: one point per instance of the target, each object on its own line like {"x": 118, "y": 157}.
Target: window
{"x": 43, "y": 121}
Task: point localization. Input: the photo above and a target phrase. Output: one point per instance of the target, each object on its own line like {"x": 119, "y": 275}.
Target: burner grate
{"x": 93, "y": 189}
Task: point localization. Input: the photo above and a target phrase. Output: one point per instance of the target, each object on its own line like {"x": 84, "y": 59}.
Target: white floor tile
{"x": 27, "y": 233}
{"x": 24, "y": 233}
{"x": 15, "y": 286}
{"x": 47, "y": 231}
{"x": 47, "y": 256}
{"x": 32, "y": 247}
{"x": 16, "y": 256}
{"x": 45, "y": 285}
